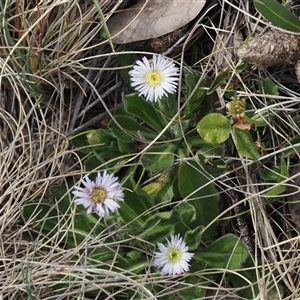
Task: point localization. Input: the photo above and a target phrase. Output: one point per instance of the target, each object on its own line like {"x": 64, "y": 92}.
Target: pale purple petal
{"x": 113, "y": 193}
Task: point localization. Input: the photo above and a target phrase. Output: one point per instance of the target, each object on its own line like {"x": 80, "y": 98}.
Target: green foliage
{"x": 197, "y": 292}
{"x": 125, "y": 128}
{"x": 53, "y": 216}
{"x": 268, "y": 87}
{"x": 292, "y": 146}
{"x": 168, "y": 162}
{"x": 196, "y": 185}
{"x": 218, "y": 81}
{"x": 214, "y": 128}
{"x": 159, "y": 158}
{"x": 167, "y": 107}
{"x": 240, "y": 280}
{"x": 194, "y": 237}
{"x": 227, "y": 252}
{"x": 278, "y": 14}
{"x": 244, "y": 144}
{"x": 283, "y": 174}
{"x": 145, "y": 111}
{"x": 195, "y": 93}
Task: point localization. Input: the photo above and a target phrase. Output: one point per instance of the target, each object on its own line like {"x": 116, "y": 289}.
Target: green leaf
{"x": 144, "y": 111}
{"x": 268, "y": 87}
{"x": 161, "y": 184}
{"x": 167, "y": 105}
{"x": 126, "y": 129}
{"x": 296, "y": 119}
{"x": 126, "y": 60}
{"x": 161, "y": 190}
{"x": 280, "y": 188}
{"x": 293, "y": 146}
{"x": 195, "y": 185}
{"x": 216, "y": 167}
{"x": 81, "y": 144}
{"x": 195, "y": 95}
{"x": 165, "y": 195}
{"x": 109, "y": 153}
{"x": 184, "y": 212}
{"x": 59, "y": 193}
{"x": 270, "y": 174}
{"x": 159, "y": 158}
{"x": 134, "y": 254}
{"x": 103, "y": 255}
{"x": 245, "y": 280}
{"x": 93, "y": 162}
{"x": 278, "y": 14}
{"x": 244, "y": 144}
{"x": 135, "y": 205}
{"x": 130, "y": 265}
{"x": 227, "y": 252}
{"x": 196, "y": 286}
{"x": 193, "y": 237}
{"x": 218, "y": 81}
{"x": 214, "y": 128}
{"x": 125, "y": 147}
{"x": 183, "y": 216}
{"x": 158, "y": 226}
{"x": 275, "y": 191}
{"x": 145, "y": 198}
{"x": 210, "y": 150}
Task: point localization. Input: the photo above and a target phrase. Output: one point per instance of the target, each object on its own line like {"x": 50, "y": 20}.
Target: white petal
{"x": 103, "y": 207}
{"x": 168, "y": 73}
{"x": 163, "y": 258}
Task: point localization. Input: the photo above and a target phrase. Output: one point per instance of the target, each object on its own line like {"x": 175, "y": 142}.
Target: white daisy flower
{"x": 154, "y": 78}
{"x": 174, "y": 257}
{"x": 100, "y": 196}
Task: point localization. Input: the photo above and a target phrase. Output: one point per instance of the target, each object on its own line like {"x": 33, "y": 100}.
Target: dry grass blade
{"x": 59, "y": 75}
{"x": 41, "y": 85}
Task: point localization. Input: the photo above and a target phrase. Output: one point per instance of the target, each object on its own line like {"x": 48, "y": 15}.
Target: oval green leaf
{"x": 214, "y": 128}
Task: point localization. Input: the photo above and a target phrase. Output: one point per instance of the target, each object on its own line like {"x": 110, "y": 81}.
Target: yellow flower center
{"x": 153, "y": 78}
{"x": 99, "y": 195}
{"x": 174, "y": 255}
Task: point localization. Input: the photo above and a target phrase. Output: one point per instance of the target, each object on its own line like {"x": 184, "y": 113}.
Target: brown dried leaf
{"x": 270, "y": 49}
{"x": 153, "y": 19}
{"x": 242, "y": 123}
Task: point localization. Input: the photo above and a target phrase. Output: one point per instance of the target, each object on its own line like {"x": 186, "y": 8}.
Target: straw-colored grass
{"x": 58, "y": 76}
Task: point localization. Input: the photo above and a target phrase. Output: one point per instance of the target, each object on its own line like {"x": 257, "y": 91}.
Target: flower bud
{"x": 156, "y": 186}
{"x": 236, "y": 108}
{"x": 97, "y": 136}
